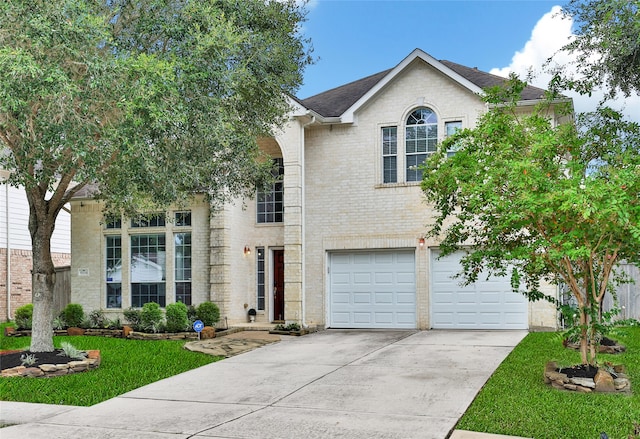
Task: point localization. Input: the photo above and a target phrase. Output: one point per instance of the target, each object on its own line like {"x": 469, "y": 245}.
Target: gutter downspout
{"x": 304, "y": 221}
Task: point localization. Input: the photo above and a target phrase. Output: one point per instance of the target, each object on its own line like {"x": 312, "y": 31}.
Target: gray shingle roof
{"x": 484, "y": 80}
{"x": 334, "y": 102}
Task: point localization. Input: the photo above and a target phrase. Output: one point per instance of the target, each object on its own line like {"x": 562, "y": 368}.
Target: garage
{"x": 486, "y": 304}
{"x": 372, "y": 289}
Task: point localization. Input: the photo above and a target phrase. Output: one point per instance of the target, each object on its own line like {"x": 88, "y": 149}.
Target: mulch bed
{"x": 12, "y": 359}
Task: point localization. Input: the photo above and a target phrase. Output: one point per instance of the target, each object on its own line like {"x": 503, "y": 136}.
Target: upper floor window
{"x": 421, "y": 139}
{"x": 155, "y": 220}
{"x": 183, "y": 219}
{"x": 270, "y": 203}
{"x": 390, "y": 154}
{"x": 113, "y": 223}
{"x": 450, "y": 128}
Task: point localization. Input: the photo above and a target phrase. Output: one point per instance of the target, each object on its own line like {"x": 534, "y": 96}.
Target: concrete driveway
{"x": 350, "y": 384}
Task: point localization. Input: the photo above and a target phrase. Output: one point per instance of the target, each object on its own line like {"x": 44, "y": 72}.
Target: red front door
{"x": 278, "y": 285}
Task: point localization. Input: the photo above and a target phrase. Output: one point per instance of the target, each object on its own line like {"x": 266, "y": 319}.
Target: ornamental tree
{"x": 540, "y": 200}
{"x": 147, "y": 100}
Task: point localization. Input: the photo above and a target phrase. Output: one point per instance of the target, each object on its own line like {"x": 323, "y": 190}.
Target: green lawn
{"x": 125, "y": 365}
{"x": 515, "y": 401}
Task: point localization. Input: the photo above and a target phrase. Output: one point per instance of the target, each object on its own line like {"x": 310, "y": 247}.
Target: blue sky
{"x": 356, "y": 38}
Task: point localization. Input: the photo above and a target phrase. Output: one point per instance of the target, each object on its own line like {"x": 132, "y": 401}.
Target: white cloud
{"x": 548, "y": 36}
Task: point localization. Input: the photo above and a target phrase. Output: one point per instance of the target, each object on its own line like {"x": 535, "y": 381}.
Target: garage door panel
{"x": 380, "y": 287}
{"x": 488, "y": 303}
{"x": 361, "y": 298}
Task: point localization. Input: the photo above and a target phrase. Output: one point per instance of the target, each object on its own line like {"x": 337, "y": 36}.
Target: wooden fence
{"x": 627, "y": 295}
{"x": 62, "y": 289}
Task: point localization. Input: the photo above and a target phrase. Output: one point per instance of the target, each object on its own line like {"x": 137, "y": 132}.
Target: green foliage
{"x": 133, "y": 316}
{"x": 73, "y": 314}
{"x": 177, "y": 318}
{"x": 151, "y": 317}
{"x": 151, "y": 101}
{"x": 23, "y": 316}
{"x": 59, "y": 323}
{"x": 126, "y": 365}
{"x": 209, "y": 313}
{"x": 28, "y": 359}
{"x": 97, "y": 319}
{"x": 541, "y": 201}
{"x": 606, "y": 45}
{"x": 72, "y": 352}
{"x": 290, "y": 327}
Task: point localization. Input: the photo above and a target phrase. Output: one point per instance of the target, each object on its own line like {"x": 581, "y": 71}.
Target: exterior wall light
{"x": 247, "y": 250}
{"x": 421, "y": 242}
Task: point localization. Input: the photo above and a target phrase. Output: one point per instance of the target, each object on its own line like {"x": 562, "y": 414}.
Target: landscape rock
{"x": 584, "y": 382}
{"x": 604, "y": 382}
{"x": 621, "y": 383}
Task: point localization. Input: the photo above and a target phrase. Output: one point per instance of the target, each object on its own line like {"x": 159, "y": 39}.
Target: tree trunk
{"x": 584, "y": 344}
{"x": 41, "y": 225}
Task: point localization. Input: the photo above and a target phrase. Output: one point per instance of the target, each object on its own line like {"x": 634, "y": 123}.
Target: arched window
{"x": 421, "y": 138}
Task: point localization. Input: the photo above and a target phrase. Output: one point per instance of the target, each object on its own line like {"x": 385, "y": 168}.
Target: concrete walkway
{"x": 351, "y": 384}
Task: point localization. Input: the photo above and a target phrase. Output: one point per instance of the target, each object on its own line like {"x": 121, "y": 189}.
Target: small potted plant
{"x": 252, "y": 315}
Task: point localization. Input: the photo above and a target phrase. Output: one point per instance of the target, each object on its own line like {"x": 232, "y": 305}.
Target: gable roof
{"x": 343, "y": 101}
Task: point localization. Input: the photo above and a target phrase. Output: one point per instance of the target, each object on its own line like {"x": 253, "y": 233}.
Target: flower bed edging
{"x": 52, "y": 370}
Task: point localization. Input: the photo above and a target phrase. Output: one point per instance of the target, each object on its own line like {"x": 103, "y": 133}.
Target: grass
{"x": 125, "y": 365}
{"x": 515, "y": 401}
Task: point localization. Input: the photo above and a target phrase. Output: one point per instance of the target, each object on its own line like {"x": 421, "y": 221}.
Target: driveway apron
{"x": 330, "y": 384}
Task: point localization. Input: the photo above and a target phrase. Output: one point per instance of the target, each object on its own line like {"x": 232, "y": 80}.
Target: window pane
{"x": 269, "y": 204}
{"x": 413, "y": 161}
{"x": 155, "y": 220}
{"x": 183, "y": 219}
{"x": 183, "y": 292}
{"x": 114, "y": 295}
{"x": 148, "y": 259}
{"x": 390, "y": 170}
{"x": 260, "y": 287}
{"x": 114, "y": 271}
{"x": 142, "y": 293}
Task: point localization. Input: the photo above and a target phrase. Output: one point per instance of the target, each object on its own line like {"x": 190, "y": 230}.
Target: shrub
{"x": 58, "y": 323}
{"x": 97, "y": 319}
{"x": 177, "y": 318}
{"x": 192, "y": 314}
{"x": 132, "y": 317}
{"x": 209, "y": 313}
{"x": 71, "y": 351}
{"x": 73, "y": 314}
{"x": 24, "y": 316}
{"x": 151, "y": 317}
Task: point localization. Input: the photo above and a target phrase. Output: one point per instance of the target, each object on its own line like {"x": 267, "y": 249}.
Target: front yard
{"x": 516, "y": 401}
{"x": 126, "y": 365}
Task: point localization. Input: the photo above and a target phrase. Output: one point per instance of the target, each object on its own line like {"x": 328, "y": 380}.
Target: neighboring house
{"x": 15, "y": 241}
{"x": 339, "y": 241}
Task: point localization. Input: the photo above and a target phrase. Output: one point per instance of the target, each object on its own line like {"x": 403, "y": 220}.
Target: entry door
{"x": 278, "y": 285}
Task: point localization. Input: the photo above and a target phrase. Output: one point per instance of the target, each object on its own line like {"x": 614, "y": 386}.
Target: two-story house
{"x": 339, "y": 241}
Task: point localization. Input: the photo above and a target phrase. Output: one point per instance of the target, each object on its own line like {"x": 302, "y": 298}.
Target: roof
{"x": 340, "y": 100}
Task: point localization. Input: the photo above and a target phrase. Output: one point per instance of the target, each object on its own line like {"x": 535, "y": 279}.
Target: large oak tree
{"x": 147, "y": 100}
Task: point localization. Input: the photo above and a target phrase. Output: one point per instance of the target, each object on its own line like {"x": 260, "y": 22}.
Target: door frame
{"x": 272, "y": 278}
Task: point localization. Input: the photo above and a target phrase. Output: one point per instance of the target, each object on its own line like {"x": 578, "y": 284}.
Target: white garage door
{"x": 486, "y": 304}
{"x": 372, "y": 289}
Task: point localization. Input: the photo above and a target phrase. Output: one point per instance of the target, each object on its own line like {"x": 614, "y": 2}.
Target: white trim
{"x": 349, "y": 115}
